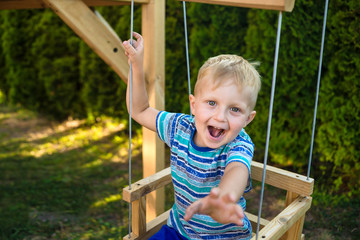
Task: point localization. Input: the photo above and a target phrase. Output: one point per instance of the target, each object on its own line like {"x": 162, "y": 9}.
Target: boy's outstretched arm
{"x": 141, "y": 111}
{"x": 221, "y": 203}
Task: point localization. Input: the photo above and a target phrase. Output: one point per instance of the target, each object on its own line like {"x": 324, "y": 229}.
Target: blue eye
{"x": 211, "y": 103}
{"x": 235, "y": 109}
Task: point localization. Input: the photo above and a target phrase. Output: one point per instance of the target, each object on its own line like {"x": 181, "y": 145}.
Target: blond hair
{"x": 231, "y": 67}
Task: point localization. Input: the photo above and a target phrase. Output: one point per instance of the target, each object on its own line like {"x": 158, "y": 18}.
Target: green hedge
{"x": 339, "y": 119}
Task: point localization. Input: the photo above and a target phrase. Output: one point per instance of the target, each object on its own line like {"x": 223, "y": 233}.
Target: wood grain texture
{"x": 280, "y": 5}
{"x": 153, "y": 32}
{"x": 282, "y": 222}
{"x": 33, "y": 4}
{"x": 295, "y": 183}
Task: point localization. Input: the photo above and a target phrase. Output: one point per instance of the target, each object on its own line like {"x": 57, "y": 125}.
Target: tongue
{"x": 215, "y": 132}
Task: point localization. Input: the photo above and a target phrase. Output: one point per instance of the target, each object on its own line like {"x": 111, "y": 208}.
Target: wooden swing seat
{"x": 286, "y": 225}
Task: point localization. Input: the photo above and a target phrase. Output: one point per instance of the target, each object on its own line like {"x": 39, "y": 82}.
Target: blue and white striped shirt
{"x": 195, "y": 171}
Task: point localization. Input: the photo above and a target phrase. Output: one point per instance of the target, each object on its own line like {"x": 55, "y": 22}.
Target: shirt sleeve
{"x": 166, "y": 126}
{"x": 242, "y": 152}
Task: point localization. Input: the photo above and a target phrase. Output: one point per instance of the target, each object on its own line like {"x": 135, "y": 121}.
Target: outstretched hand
{"x": 222, "y": 209}
{"x": 135, "y": 51}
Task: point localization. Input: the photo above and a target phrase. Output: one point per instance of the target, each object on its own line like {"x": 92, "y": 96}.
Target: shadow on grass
{"x": 65, "y": 185}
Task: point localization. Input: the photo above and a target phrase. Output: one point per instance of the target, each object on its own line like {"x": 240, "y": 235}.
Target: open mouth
{"x": 215, "y": 132}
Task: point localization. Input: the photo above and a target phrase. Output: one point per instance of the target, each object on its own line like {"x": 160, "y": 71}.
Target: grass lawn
{"x": 64, "y": 181}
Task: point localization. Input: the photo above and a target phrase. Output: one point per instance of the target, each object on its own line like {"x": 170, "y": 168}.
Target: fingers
{"x": 136, "y": 42}
{"x": 229, "y": 198}
{"x": 214, "y": 193}
{"x": 137, "y": 36}
{"x": 192, "y": 209}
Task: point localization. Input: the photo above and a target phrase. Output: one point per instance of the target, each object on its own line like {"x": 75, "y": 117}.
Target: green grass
{"x": 64, "y": 181}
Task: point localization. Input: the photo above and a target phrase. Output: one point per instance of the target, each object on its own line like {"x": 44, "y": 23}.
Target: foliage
{"x": 175, "y": 66}
{"x": 47, "y": 68}
{"x": 40, "y": 73}
{"x": 103, "y": 91}
{"x": 339, "y": 130}
{"x": 215, "y": 30}
{"x": 294, "y": 97}
{"x": 336, "y": 139}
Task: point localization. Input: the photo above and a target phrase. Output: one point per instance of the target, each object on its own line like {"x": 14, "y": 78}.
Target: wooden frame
{"x": 153, "y": 31}
{"x": 31, "y": 4}
{"x": 286, "y": 225}
{"x": 280, "y": 5}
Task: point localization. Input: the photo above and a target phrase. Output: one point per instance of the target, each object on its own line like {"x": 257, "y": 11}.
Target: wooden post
{"x": 153, "y": 31}
{"x": 294, "y": 233}
{"x": 138, "y": 220}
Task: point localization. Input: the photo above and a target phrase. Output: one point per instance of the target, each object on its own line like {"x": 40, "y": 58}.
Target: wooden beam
{"x": 282, "y": 222}
{"x": 152, "y": 227}
{"x": 253, "y": 220}
{"x": 295, "y": 232}
{"x": 33, "y": 4}
{"x": 138, "y": 216}
{"x": 77, "y": 15}
{"x": 276, "y": 177}
{"x": 153, "y": 31}
{"x": 283, "y": 179}
{"x": 147, "y": 185}
{"x": 280, "y": 5}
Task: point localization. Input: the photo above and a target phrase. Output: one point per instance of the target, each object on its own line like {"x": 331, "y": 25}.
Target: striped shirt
{"x": 195, "y": 171}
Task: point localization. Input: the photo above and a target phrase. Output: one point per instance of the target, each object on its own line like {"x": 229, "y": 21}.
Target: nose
{"x": 220, "y": 115}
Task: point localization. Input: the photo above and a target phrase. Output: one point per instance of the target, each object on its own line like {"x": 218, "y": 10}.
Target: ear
{"x": 250, "y": 117}
{"x": 192, "y": 103}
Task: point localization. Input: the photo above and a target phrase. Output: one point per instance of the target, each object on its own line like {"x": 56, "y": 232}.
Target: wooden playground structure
{"x": 145, "y": 196}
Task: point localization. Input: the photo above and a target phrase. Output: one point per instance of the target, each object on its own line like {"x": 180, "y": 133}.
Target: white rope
{"x": 317, "y": 88}
{"x": 269, "y": 120}
{"x": 130, "y": 107}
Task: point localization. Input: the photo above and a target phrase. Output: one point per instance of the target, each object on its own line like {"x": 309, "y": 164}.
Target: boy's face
{"x": 220, "y": 113}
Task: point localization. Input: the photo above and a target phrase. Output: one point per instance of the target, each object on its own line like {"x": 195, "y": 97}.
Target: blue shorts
{"x": 167, "y": 232}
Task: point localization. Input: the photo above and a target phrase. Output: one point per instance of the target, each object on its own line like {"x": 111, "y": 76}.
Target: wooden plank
{"x": 152, "y": 227}
{"x": 283, "y": 179}
{"x": 97, "y": 35}
{"x": 274, "y": 176}
{"x": 33, "y": 4}
{"x": 153, "y": 31}
{"x": 147, "y": 185}
{"x": 253, "y": 220}
{"x": 280, "y": 5}
{"x": 138, "y": 216}
{"x": 282, "y": 222}
{"x": 295, "y": 231}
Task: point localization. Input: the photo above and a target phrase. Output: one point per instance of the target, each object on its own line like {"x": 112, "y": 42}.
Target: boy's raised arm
{"x": 141, "y": 111}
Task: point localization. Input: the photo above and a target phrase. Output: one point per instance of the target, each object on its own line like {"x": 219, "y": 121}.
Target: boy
{"x": 210, "y": 152}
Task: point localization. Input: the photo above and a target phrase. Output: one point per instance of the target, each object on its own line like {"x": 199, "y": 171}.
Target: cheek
{"x": 237, "y": 123}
